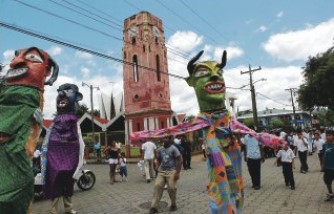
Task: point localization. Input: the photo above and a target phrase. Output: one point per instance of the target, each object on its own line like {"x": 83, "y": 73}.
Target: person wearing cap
{"x": 318, "y": 142}
{"x": 328, "y": 157}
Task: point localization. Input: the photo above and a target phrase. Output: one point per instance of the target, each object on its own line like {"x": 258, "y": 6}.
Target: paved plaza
{"x": 135, "y": 195}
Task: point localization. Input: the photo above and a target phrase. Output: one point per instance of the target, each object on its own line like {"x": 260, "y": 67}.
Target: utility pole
{"x": 91, "y": 87}
{"x": 293, "y": 105}
{"x": 252, "y": 89}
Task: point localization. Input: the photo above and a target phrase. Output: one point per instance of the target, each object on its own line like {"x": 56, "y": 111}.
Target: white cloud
{"x": 262, "y": 28}
{"x": 85, "y": 72}
{"x": 8, "y": 56}
{"x": 83, "y": 55}
{"x": 185, "y": 40}
{"x": 280, "y": 14}
{"x": 299, "y": 44}
{"x": 54, "y": 50}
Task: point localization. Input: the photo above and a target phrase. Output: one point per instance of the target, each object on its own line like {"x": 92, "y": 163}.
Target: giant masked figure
{"x": 21, "y": 105}
{"x": 62, "y": 152}
{"x": 225, "y": 187}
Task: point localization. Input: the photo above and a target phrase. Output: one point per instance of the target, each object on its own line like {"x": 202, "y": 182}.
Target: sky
{"x": 278, "y": 36}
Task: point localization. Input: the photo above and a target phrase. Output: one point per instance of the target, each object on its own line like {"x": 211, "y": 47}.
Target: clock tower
{"x": 146, "y": 83}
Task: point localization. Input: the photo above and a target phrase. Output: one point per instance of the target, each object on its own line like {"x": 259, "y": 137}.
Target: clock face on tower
{"x": 133, "y": 31}
{"x": 156, "y": 31}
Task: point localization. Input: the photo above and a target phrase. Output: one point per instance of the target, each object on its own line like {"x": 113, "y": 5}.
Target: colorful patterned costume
{"x": 21, "y": 103}
{"x": 224, "y": 161}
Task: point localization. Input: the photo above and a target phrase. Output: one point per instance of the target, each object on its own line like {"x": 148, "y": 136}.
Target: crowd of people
{"x": 163, "y": 163}
{"x": 298, "y": 143}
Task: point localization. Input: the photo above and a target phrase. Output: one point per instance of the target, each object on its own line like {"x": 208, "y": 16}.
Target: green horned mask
{"x": 207, "y": 80}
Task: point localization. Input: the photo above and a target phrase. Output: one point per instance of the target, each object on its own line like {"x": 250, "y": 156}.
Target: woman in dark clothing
{"x": 112, "y": 153}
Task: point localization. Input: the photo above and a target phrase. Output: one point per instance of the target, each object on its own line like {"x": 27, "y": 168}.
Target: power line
{"x": 82, "y": 25}
{"x": 184, "y": 20}
{"x": 204, "y": 20}
{"x": 98, "y": 10}
{"x": 69, "y": 20}
{"x": 271, "y": 99}
{"x": 90, "y": 17}
{"x": 90, "y": 12}
{"x": 30, "y": 33}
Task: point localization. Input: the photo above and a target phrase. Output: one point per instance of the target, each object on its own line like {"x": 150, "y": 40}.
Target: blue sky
{"x": 276, "y": 35}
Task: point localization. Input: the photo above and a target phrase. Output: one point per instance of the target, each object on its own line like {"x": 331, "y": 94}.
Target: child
{"x": 328, "y": 155}
{"x": 287, "y": 156}
{"x": 123, "y": 170}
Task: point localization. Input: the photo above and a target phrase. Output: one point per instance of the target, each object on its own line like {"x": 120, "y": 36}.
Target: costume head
{"x": 68, "y": 98}
{"x": 31, "y": 67}
{"x": 207, "y": 80}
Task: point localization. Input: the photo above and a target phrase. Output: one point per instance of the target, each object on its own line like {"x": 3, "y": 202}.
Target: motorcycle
{"x": 85, "y": 181}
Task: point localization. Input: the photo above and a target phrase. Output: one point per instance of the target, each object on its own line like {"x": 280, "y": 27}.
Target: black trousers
{"x": 288, "y": 174}
{"x": 186, "y": 159}
{"x": 303, "y": 160}
{"x": 254, "y": 169}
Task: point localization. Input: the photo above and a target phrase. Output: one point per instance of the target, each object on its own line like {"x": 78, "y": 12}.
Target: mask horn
{"x": 190, "y": 65}
{"x": 222, "y": 65}
{"x": 54, "y": 74}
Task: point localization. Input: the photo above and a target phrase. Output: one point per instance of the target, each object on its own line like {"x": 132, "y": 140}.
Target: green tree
{"x": 318, "y": 90}
{"x": 277, "y": 123}
{"x": 84, "y": 109}
{"x": 249, "y": 122}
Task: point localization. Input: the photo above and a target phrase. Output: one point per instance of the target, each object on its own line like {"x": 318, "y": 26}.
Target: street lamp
{"x": 262, "y": 79}
{"x": 91, "y": 87}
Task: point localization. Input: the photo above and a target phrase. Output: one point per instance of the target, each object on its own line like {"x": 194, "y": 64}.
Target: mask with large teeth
{"x": 16, "y": 72}
{"x": 207, "y": 80}
{"x": 68, "y": 97}
{"x": 32, "y": 67}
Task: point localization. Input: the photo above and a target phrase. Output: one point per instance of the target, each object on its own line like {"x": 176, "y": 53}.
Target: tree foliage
{"x": 84, "y": 109}
{"x": 318, "y": 88}
{"x": 277, "y": 123}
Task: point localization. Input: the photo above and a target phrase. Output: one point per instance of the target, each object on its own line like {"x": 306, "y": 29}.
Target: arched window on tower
{"x": 158, "y": 67}
{"x": 135, "y": 69}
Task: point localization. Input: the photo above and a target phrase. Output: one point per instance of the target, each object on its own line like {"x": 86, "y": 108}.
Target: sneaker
{"x": 173, "y": 208}
{"x": 329, "y": 197}
{"x": 257, "y": 187}
{"x": 148, "y": 180}
{"x": 292, "y": 188}
{"x": 153, "y": 210}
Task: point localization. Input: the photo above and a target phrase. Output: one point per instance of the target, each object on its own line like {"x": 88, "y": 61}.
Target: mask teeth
{"x": 16, "y": 72}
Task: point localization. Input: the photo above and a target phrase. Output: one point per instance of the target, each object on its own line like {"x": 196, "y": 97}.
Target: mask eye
{"x": 201, "y": 72}
{"x": 33, "y": 58}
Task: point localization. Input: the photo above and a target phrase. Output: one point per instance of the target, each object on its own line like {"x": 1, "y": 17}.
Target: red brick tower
{"x": 146, "y": 92}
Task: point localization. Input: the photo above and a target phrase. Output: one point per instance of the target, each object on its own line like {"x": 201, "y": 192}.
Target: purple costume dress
{"x": 62, "y": 156}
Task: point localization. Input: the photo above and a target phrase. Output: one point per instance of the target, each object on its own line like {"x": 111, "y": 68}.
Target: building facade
{"x": 266, "y": 117}
{"x": 146, "y": 83}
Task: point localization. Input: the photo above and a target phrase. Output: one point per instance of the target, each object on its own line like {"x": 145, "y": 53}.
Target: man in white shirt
{"x": 302, "y": 147}
{"x": 148, "y": 151}
{"x": 318, "y": 142}
{"x": 287, "y": 156}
